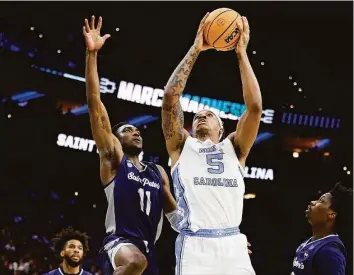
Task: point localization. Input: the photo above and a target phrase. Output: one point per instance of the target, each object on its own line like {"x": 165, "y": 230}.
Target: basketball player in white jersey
{"x": 208, "y": 172}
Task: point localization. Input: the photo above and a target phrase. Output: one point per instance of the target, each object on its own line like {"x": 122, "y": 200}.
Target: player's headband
{"x": 216, "y": 115}
{"x": 121, "y": 128}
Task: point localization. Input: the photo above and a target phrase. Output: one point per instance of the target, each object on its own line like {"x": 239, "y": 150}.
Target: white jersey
{"x": 209, "y": 186}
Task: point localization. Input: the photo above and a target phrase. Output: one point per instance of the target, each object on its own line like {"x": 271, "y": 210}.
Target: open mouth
{"x": 308, "y": 209}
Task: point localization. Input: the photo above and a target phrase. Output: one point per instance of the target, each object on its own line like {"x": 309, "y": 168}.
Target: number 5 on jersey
{"x": 142, "y": 199}
{"x": 215, "y": 161}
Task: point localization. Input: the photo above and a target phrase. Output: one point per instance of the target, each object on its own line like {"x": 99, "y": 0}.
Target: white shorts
{"x": 201, "y": 255}
{"x": 112, "y": 249}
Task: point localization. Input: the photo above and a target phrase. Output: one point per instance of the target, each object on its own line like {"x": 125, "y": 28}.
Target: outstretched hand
{"x": 244, "y": 36}
{"x": 93, "y": 39}
{"x": 199, "y": 41}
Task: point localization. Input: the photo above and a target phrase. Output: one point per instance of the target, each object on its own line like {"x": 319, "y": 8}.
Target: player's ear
{"x": 332, "y": 215}
{"x": 62, "y": 253}
{"x": 221, "y": 133}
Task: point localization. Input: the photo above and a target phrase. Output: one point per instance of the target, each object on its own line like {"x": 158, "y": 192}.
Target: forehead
{"x": 74, "y": 242}
{"x": 204, "y": 112}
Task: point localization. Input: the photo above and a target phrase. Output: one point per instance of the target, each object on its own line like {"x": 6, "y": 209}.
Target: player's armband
{"x": 172, "y": 218}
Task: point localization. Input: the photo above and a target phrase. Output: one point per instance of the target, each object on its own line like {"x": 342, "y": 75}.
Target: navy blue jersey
{"x": 320, "y": 257}
{"x": 60, "y": 271}
{"x": 135, "y": 200}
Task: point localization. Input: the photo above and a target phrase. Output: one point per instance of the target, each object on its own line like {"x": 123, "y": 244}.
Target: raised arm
{"x": 172, "y": 114}
{"x": 247, "y": 128}
{"x": 109, "y": 147}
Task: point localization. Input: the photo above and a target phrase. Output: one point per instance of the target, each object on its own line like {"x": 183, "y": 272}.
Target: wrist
{"x": 195, "y": 49}
{"x": 241, "y": 54}
{"x": 91, "y": 53}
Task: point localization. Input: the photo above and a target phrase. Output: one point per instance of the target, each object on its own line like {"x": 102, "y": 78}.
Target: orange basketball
{"x": 221, "y": 31}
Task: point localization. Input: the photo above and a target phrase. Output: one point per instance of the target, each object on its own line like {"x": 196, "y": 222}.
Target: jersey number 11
{"x": 148, "y": 201}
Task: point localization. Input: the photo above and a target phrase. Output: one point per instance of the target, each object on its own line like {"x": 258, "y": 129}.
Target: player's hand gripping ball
{"x": 221, "y": 31}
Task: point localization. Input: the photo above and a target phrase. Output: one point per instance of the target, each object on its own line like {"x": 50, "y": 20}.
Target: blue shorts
{"x": 112, "y": 243}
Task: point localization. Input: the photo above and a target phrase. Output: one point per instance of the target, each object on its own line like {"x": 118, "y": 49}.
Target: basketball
{"x": 221, "y": 31}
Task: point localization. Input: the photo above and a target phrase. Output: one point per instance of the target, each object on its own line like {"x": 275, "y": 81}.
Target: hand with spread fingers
{"x": 199, "y": 41}
{"x": 244, "y": 36}
{"x": 93, "y": 39}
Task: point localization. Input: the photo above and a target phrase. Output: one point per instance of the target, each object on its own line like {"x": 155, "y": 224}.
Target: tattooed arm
{"x": 109, "y": 147}
{"x": 172, "y": 114}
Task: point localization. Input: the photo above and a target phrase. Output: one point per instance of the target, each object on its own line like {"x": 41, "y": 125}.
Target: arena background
{"x": 43, "y": 103}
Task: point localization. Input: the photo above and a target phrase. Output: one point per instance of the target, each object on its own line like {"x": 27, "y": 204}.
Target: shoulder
{"x": 331, "y": 259}
{"x": 162, "y": 171}
{"x": 156, "y": 168}
{"x": 331, "y": 252}
{"x": 332, "y": 248}
{"x": 84, "y": 272}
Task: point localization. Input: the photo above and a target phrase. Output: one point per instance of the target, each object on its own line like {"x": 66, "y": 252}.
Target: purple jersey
{"x": 60, "y": 271}
{"x": 325, "y": 256}
{"x": 135, "y": 203}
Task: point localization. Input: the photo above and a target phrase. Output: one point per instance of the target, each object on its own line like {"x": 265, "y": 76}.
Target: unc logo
{"x": 220, "y": 22}
{"x": 230, "y": 37}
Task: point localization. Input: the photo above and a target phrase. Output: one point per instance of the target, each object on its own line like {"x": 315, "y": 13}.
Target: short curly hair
{"x": 67, "y": 234}
{"x": 342, "y": 202}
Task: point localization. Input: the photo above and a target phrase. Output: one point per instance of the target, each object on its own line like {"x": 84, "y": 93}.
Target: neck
{"x": 205, "y": 136}
{"x": 69, "y": 269}
{"x": 321, "y": 231}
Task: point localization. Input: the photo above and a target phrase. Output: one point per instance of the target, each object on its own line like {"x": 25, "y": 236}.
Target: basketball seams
{"x": 225, "y": 31}
{"x": 211, "y": 23}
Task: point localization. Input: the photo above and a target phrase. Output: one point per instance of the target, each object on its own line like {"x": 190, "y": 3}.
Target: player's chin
{"x": 308, "y": 218}
{"x": 139, "y": 145}
{"x": 75, "y": 258}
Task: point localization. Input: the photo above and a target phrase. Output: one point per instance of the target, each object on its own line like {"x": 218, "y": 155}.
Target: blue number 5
{"x": 218, "y": 166}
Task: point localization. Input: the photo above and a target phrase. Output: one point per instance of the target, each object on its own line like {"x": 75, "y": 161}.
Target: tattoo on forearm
{"x": 167, "y": 126}
{"x": 172, "y": 115}
{"x": 178, "y": 116}
{"x": 178, "y": 80}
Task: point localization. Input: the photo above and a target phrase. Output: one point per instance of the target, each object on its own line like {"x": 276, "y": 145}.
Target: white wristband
{"x": 172, "y": 218}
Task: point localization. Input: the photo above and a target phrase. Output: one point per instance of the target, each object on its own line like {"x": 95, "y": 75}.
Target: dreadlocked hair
{"x": 342, "y": 204}
{"x": 68, "y": 234}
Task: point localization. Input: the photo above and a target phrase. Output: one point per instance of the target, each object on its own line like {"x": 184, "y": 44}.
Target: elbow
{"x": 168, "y": 92}
{"x": 168, "y": 96}
{"x": 255, "y": 107}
